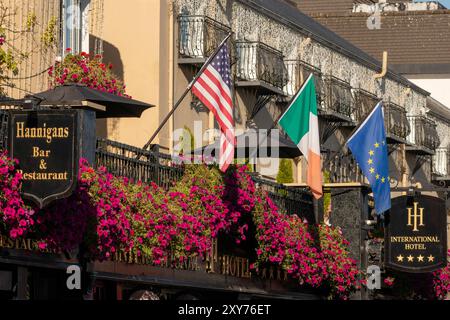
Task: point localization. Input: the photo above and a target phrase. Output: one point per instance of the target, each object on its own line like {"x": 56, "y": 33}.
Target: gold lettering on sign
{"x": 415, "y": 217}
{"x": 43, "y": 132}
{"x": 22, "y": 244}
{"x": 38, "y": 153}
{"x": 45, "y": 175}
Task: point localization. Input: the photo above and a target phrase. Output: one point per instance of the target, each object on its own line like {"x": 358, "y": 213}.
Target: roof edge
{"x": 375, "y": 67}
{"x": 387, "y": 13}
{"x": 438, "y": 109}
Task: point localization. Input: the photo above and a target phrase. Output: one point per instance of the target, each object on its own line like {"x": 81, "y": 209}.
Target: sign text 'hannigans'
{"x": 45, "y": 143}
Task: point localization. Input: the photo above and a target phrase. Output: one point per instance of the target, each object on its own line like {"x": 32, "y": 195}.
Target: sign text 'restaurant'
{"x": 45, "y": 143}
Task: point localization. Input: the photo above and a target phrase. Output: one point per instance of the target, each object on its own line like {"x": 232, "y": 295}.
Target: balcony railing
{"x": 338, "y": 100}
{"x": 341, "y": 168}
{"x": 198, "y": 37}
{"x": 260, "y": 65}
{"x": 441, "y": 162}
{"x": 290, "y": 200}
{"x": 297, "y": 73}
{"x": 365, "y": 102}
{"x": 423, "y": 137}
{"x": 396, "y": 123}
{"x": 151, "y": 166}
{"x": 137, "y": 164}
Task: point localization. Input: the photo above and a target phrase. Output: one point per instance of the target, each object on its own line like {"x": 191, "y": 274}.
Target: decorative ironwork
{"x": 421, "y": 159}
{"x": 5, "y": 105}
{"x": 121, "y": 160}
{"x": 396, "y": 122}
{"x": 341, "y": 168}
{"x": 365, "y": 102}
{"x": 374, "y": 249}
{"x": 290, "y": 200}
{"x": 393, "y": 147}
{"x": 394, "y": 182}
{"x": 153, "y": 166}
{"x": 327, "y": 129}
{"x": 261, "y": 101}
{"x": 3, "y": 129}
{"x": 441, "y": 162}
{"x": 257, "y": 61}
{"x": 423, "y": 133}
{"x": 297, "y": 73}
{"x": 199, "y": 36}
{"x": 338, "y": 100}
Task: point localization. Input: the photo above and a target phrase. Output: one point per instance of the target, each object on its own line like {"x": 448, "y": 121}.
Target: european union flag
{"x": 369, "y": 147}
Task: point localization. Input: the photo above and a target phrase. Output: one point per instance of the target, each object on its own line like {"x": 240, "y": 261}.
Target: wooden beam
{"x": 93, "y": 105}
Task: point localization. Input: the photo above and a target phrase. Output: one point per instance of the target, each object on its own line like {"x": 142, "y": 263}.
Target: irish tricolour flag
{"x": 301, "y": 125}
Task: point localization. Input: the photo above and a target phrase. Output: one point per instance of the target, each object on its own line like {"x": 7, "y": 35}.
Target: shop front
{"x": 29, "y": 274}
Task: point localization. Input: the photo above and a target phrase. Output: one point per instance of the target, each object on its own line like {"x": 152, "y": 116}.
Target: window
{"x": 75, "y": 19}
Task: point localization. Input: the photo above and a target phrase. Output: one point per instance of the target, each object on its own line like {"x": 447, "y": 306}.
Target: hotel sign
{"x": 45, "y": 143}
{"x": 416, "y": 234}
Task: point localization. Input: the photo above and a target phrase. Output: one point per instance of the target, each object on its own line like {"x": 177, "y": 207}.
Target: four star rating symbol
{"x": 410, "y": 258}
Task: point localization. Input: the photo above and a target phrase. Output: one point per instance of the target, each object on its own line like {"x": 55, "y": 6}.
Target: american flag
{"x": 213, "y": 88}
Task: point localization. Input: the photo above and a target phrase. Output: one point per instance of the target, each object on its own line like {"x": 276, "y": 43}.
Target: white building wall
{"x": 437, "y": 85}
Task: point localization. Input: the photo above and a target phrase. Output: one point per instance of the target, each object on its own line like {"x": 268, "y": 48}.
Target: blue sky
{"x": 444, "y": 2}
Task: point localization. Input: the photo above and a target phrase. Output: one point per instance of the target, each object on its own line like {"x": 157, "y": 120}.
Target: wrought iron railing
{"x": 297, "y": 73}
{"x": 137, "y": 164}
{"x": 257, "y": 61}
{"x": 423, "y": 132}
{"x": 341, "y": 168}
{"x": 290, "y": 200}
{"x": 151, "y": 166}
{"x": 441, "y": 162}
{"x": 396, "y": 121}
{"x": 199, "y": 36}
{"x": 3, "y": 129}
{"x": 338, "y": 97}
{"x": 365, "y": 101}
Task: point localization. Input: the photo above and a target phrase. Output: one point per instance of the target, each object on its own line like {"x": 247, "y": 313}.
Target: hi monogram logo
{"x": 416, "y": 217}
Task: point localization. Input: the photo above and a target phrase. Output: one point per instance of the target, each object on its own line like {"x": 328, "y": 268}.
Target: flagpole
{"x": 277, "y": 120}
{"x": 191, "y": 84}
{"x": 341, "y": 148}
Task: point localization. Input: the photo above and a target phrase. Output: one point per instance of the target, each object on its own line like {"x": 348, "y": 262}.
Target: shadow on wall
{"x": 422, "y": 174}
{"x": 106, "y": 127}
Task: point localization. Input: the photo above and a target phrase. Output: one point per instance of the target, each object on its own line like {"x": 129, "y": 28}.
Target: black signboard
{"x": 416, "y": 234}
{"x": 45, "y": 143}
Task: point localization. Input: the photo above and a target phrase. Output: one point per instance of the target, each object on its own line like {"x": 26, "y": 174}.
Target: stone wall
{"x": 249, "y": 24}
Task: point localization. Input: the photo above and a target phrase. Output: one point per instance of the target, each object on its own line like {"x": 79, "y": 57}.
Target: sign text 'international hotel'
{"x": 416, "y": 234}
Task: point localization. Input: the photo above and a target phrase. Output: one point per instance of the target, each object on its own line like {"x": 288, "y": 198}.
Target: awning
{"x": 106, "y": 105}
{"x": 272, "y": 146}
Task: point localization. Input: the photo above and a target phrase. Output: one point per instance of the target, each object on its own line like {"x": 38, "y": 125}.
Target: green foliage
{"x": 285, "y": 174}
{"x": 187, "y": 146}
{"x": 31, "y": 21}
{"x": 208, "y": 177}
{"x": 49, "y": 36}
{"x": 12, "y": 34}
{"x": 8, "y": 61}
